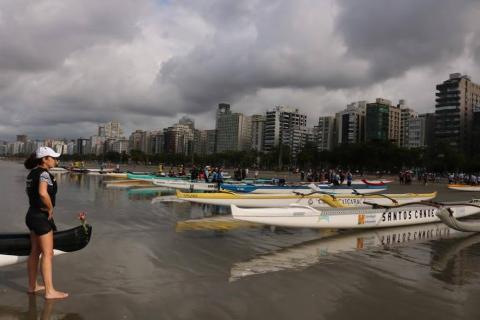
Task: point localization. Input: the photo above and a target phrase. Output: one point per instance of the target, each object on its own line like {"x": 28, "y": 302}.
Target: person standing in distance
{"x": 41, "y": 191}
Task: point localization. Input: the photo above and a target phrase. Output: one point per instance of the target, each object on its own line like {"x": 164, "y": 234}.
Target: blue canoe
{"x": 342, "y": 189}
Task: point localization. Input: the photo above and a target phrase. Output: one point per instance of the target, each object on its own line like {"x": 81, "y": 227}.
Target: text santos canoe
{"x": 15, "y": 248}
{"x": 350, "y": 218}
{"x": 314, "y": 200}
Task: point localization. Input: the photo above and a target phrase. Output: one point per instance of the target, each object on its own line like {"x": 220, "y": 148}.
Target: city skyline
{"x": 65, "y": 67}
{"x": 454, "y": 124}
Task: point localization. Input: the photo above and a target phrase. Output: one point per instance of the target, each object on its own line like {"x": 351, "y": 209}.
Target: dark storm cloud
{"x": 276, "y": 44}
{"x": 395, "y": 36}
{"x": 39, "y": 35}
{"x": 147, "y": 62}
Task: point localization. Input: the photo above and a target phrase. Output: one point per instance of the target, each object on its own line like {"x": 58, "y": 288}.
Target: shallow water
{"x": 138, "y": 266}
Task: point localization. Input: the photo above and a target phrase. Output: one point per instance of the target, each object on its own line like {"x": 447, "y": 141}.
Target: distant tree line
{"x": 372, "y": 156}
{"x": 386, "y": 156}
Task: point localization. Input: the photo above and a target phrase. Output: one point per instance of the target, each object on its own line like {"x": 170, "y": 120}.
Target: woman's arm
{"x": 46, "y": 198}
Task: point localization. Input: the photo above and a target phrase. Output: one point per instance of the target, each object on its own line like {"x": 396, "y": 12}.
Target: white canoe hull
{"x": 263, "y": 201}
{"x": 116, "y": 175}
{"x": 6, "y": 260}
{"x": 186, "y": 185}
{"x": 346, "y": 218}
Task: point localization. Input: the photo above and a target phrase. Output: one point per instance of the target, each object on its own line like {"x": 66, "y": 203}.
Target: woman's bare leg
{"x": 46, "y": 245}
{"x": 32, "y": 265}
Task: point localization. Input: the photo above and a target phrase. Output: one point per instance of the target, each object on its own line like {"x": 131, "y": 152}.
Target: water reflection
{"x": 456, "y": 261}
{"x": 38, "y": 308}
{"x": 308, "y": 253}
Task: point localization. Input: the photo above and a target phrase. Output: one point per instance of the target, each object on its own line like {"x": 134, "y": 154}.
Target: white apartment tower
{"x": 258, "y": 125}
{"x": 324, "y": 133}
{"x": 350, "y": 123}
{"x": 406, "y": 114}
{"x": 286, "y": 126}
{"x": 233, "y": 130}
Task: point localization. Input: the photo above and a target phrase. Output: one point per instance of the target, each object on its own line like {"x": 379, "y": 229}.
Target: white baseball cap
{"x": 46, "y": 152}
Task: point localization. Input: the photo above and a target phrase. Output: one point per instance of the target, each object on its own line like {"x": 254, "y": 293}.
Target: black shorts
{"x": 37, "y": 221}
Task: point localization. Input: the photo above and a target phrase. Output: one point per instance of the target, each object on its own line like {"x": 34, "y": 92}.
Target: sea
{"x": 146, "y": 260}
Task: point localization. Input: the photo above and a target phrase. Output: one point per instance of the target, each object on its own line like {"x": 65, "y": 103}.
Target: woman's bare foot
{"x": 56, "y": 295}
{"x": 37, "y": 289}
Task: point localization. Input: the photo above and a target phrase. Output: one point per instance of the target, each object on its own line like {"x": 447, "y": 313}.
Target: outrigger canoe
{"x": 116, "y": 174}
{"x": 463, "y": 187}
{"x": 156, "y": 177}
{"x": 186, "y": 185}
{"x": 15, "y": 247}
{"x": 314, "y": 199}
{"x": 352, "y": 218}
{"x": 341, "y": 189}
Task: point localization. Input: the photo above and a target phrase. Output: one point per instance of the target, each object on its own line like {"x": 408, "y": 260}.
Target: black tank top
{"x": 33, "y": 186}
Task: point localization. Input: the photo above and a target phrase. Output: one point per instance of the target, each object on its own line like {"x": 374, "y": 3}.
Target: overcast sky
{"x": 66, "y": 66}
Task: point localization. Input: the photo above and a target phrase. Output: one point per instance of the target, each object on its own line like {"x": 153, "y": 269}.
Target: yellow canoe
{"x": 314, "y": 200}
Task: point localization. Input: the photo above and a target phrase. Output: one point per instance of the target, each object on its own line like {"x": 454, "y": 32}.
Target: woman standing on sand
{"x": 41, "y": 191}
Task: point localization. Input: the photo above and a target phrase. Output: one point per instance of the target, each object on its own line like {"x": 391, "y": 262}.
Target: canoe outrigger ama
{"x": 448, "y": 217}
{"x": 353, "y": 218}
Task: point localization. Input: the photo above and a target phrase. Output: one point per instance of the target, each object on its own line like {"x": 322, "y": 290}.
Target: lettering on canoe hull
{"x": 351, "y": 201}
{"x": 402, "y": 237}
{"x": 406, "y": 215}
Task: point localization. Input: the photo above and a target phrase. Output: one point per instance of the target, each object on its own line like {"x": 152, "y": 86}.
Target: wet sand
{"x": 138, "y": 267}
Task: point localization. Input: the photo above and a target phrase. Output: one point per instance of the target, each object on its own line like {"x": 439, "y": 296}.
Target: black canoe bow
{"x": 18, "y": 244}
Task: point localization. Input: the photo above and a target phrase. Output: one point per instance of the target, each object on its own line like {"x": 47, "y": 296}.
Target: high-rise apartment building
{"x": 394, "y": 116}
{"x": 211, "y": 141}
{"x": 286, "y": 126}
{"x": 324, "y": 133}
{"x": 157, "y": 139}
{"x": 83, "y": 146}
{"x": 97, "y": 145}
{"x": 456, "y": 101}
{"x": 258, "y": 125}
{"x": 406, "y": 114}
{"x": 119, "y": 145}
{"x": 377, "y": 120}
{"x": 200, "y": 142}
{"x": 139, "y": 140}
{"x": 476, "y": 129}
{"x": 179, "y": 139}
{"x": 416, "y": 133}
{"x": 233, "y": 130}
{"x": 350, "y": 123}
{"x": 110, "y": 129}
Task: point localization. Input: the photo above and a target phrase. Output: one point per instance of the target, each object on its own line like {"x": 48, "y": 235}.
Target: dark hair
{"x": 32, "y": 161}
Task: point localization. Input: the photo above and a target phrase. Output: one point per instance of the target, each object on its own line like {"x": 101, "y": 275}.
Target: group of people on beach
{"x": 335, "y": 177}
{"x": 471, "y": 179}
{"x": 207, "y": 174}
